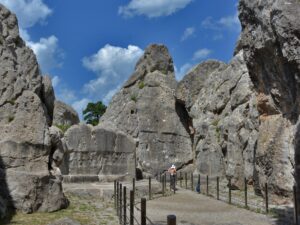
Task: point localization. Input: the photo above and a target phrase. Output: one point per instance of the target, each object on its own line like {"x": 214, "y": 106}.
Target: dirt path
{"x": 195, "y": 209}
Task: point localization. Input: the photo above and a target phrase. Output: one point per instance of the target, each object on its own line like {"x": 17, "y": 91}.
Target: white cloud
{"x": 152, "y": 8}
{"x": 47, "y": 52}
{"x": 201, "y": 54}
{"x": 29, "y": 12}
{"x": 65, "y": 94}
{"x": 110, "y": 94}
{"x": 225, "y": 23}
{"x": 55, "y": 81}
{"x": 80, "y": 105}
{"x": 231, "y": 22}
{"x": 188, "y": 33}
{"x": 113, "y": 65}
{"x": 217, "y": 37}
{"x": 183, "y": 70}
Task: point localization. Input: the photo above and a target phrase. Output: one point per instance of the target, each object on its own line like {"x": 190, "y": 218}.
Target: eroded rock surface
{"x": 145, "y": 108}
{"x": 64, "y": 115}
{"x": 98, "y": 152}
{"x": 222, "y": 107}
{"x": 25, "y": 116}
{"x": 271, "y": 42}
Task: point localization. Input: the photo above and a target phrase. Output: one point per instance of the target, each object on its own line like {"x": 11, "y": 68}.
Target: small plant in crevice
{"x": 218, "y": 131}
{"x": 11, "y": 118}
{"x": 62, "y": 127}
{"x": 141, "y": 85}
{"x": 215, "y": 122}
{"x": 133, "y": 97}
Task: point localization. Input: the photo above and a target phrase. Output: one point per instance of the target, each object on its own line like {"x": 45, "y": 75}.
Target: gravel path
{"x": 195, "y": 209}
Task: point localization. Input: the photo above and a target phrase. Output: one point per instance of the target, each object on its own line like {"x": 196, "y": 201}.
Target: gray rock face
{"x": 189, "y": 87}
{"x": 145, "y": 109}
{"x": 271, "y": 42}
{"x": 64, "y": 114}
{"x": 25, "y": 114}
{"x": 225, "y": 119}
{"x": 99, "y": 151}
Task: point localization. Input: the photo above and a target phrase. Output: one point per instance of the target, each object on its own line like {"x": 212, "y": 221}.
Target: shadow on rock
{"x": 7, "y": 209}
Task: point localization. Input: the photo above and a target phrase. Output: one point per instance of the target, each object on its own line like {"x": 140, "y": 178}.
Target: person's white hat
{"x": 173, "y": 166}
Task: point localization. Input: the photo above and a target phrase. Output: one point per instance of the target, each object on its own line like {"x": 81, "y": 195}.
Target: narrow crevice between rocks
{"x": 185, "y": 119}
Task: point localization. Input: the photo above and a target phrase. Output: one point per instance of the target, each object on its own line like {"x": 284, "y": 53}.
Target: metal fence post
{"x": 131, "y": 219}
{"x": 133, "y": 185}
{"x": 124, "y": 206}
{"x": 207, "y": 185}
{"x": 267, "y": 198}
{"x": 171, "y": 220}
{"x": 117, "y": 198}
{"x": 115, "y": 193}
{"x": 143, "y": 211}
{"x": 163, "y": 185}
{"x": 246, "y": 193}
{"x": 229, "y": 186}
{"x": 218, "y": 189}
{"x": 192, "y": 181}
{"x": 199, "y": 183}
{"x": 120, "y": 204}
{"x": 149, "y": 188}
{"x": 185, "y": 177}
{"x": 180, "y": 179}
{"x": 295, "y": 205}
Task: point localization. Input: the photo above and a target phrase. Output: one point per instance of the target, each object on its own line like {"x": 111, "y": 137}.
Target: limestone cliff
{"x": 26, "y": 110}
{"x": 145, "y": 108}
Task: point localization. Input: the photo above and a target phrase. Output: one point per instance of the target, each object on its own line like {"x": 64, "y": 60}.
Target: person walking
{"x": 172, "y": 171}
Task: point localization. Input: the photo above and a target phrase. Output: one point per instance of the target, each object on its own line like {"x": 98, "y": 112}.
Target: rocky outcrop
{"x": 26, "y": 182}
{"x": 64, "y": 115}
{"x": 221, "y": 103}
{"x": 189, "y": 87}
{"x": 271, "y": 42}
{"x": 98, "y": 152}
{"x": 146, "y": 110}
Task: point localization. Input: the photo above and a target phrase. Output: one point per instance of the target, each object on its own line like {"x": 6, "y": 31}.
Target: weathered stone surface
{"x": 145, "y": 109}
{"x": 189, "y": 87}
{"x": 25, "y": 143}
{"x": 64, "y": 114}
{"x": 271, "y": 43}
{"x": 225, "y": 120}
{"x": 99, "y": 151}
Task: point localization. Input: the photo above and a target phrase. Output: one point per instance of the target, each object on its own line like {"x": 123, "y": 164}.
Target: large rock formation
{"x": 64, "y": 115}
{"x": 145, "y": 109}
{"x": 271, "y": 42}
{"x": 26, "y": 109}
{"x": 222, "y": 106}
{"x": 98, "y": 153}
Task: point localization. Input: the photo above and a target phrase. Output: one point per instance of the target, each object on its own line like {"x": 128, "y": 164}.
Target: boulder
{"x": 26, "y": 182}
{"x": 64, "y": 115}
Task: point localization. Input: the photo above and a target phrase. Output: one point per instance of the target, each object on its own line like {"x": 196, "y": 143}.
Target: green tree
{"x": 93, "y": 112}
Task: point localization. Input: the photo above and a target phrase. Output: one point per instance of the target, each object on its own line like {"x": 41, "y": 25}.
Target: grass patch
{"x": 82, "y": 210}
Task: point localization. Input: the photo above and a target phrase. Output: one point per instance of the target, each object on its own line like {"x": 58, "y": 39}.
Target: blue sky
{"x": 89, "y": 48}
